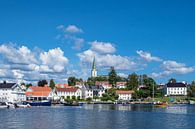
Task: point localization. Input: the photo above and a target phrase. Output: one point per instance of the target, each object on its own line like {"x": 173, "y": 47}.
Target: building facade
{"x": 124, "y": 95}
{"x": 11, "y": 92}
{"x": 175, "y": 89}
{"x": 92, "y": 91}
{"x": 37, "y": 93}
{"x": 105, "y": 84}
{"x": 121, "y": 85}
{"x": 69, "y": 93}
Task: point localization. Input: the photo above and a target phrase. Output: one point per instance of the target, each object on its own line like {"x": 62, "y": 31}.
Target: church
{"x": 94, "y": 70}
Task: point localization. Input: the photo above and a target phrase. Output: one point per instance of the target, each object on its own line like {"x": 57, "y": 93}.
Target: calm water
{"x": 99, "y": 117}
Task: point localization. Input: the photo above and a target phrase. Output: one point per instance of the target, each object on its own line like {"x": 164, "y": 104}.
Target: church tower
{"x": 94, "y": 71}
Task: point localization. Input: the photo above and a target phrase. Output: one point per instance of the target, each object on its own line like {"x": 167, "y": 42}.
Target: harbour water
{"x": 99, "y": 117}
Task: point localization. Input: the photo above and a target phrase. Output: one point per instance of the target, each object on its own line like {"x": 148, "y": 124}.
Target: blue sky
{"x": 57, "y": 39}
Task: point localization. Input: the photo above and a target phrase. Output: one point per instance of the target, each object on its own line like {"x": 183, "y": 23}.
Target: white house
{"x": 124, "y": 95}
{"x": 69, "y": 92}
{"x": 11, "y": 92}
{"x": 121, "y": 85}
{"x": 176, "y": 89}
{"x": 92, "y": 91}
{"x": 105, "y": 84}
{"x": 37, "y": 93}
{"x": 79, "y": 84}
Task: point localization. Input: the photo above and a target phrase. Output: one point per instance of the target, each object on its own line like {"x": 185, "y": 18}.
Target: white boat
{"x": 3, "y": 105}
{"x": 192, "y": 102}
{"x": 10, "y": 105}
{"x": 22, "y": 105}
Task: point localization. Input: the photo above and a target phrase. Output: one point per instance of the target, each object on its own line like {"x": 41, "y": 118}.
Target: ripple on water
{"x": 99, "y": 117}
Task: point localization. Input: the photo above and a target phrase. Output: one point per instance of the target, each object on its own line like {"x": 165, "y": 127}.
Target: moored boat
{"x": 192, "y": 102}
{"x": 72, "y": 103}
{"x": 160, "y": 104}
{"x": 40, "y": 103}
{"x": 23, "y": 105}
{"x": 3, "y": 105}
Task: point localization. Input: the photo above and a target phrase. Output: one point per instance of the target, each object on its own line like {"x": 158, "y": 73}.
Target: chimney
{"x": 4, "y": 82}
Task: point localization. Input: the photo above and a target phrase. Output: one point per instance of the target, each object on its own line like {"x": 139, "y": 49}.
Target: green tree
{"x": 68, "y": 97}
{"x": 72, "y": 81}
{"x": 191, "y": 90}
{"x": 78, "y": 98}
{"x": 110, "y": 95}
{"x": 89, "y": 99}
{"x": 112, "y": 77}
{"x": 73, "y": 97}
{"x": 52, "y": 84}
{"x": 121, "y": 79}
{"x": 91, "y": 81}
{"x": 28, "y": 85}
{"x": 172, "y": 80}
{"x": 42, "y": 83}
{"x": 132, "y": 81}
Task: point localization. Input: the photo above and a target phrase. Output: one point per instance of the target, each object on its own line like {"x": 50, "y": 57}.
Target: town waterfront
{"x": 92, "y": 116}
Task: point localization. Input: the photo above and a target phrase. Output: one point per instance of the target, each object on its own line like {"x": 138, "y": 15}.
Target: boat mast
{"x": 153, "y": 91}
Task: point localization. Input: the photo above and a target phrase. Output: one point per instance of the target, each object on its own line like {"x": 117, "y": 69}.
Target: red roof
{"x": 124, "y": 91}
{"x": 101, "y": 83}
{"x": 121, "y": 83}
{"x": 63, "y": 86}
{"x": 72, "y": 89}
{"x": 38, "y": 91}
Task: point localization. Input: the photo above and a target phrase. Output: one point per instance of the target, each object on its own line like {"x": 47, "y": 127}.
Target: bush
{"x": 89, "y": 99}
{"x": 78, "y": 98}
{"x": 68, "y": 97}
{"x": 73, "y": 97}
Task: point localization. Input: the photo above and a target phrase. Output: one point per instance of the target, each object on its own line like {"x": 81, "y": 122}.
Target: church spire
{"x": 94, "y": 71}
{"x": 94, "y": 65}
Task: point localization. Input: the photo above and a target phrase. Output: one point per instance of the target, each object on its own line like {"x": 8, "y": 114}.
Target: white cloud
{"x": 22, "y": 63}
{"x": 107, "y": 60}
{"x": 175, "y": 67}
{"x": 172, "y": 67}
{"x": 78, "y": 43}
{"x": 18, "y": 74}
{"x": 70, "y": 29}
{"x": 69, "y": 36}
{"x": 73, "y": 29}
{"x": 147, "y": 56}
{"x": 53, "y": 59}
{"x": 102, "y": 47}
{"x": 20, "y": 55}
{"x": 122, "y": 75}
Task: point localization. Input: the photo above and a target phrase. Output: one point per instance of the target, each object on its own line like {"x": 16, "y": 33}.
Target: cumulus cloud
{"x": 17, "y": 55}
{"x": 53, "y": 59}
{"x": 172, "y": 67}
{"x": 148, "y": 56}
{"x": 176, "y": 67}
{"x": 102, "y": 47}
{"x": 104, "y": 59}
{"x": 122, "y": 75}
{"x": 73, "y": 29}
{"x": 68, "y": 35}
{"x": 70, "y": 29}
{"x": 19, "y": 62}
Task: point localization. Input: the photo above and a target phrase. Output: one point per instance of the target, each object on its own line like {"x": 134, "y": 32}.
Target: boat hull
{"x": 48, "y": 103}
{"x": 192, "y": 102}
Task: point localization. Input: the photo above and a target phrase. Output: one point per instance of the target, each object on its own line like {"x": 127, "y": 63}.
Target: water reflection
{"x": 100, "y": 117}
{"x": 120, "y": 107}
{"x": 181, "y": 109}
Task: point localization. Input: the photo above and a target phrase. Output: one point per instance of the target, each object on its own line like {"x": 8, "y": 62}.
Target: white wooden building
{"x": 124, "y": 95}
{"x": 175, "y": 89}
{"x": 11, "y": 92}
